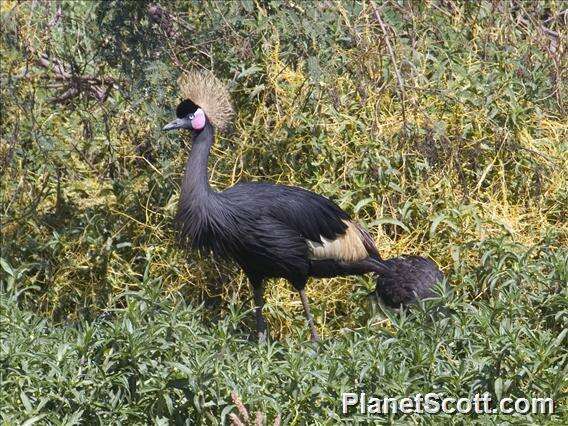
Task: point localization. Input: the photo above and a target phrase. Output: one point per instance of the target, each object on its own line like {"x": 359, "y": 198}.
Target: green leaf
{"x": 391, "y": 221}
{"x": 6, "y": 266}
{"x": 498, "y": 387}
{"x": 73, "y": 419}
{"x": 362, "y": 204}
{"x": 560, "y": 337}
{"x": 33, "y": 420}
{"x": 25, "y": 400}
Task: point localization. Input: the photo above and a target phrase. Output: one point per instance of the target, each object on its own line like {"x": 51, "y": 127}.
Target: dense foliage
{"x": 440, "y": 125}
{"x": 159, "y": 359}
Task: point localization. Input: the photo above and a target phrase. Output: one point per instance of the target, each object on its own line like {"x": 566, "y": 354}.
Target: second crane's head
{"x": 205, "y": 100}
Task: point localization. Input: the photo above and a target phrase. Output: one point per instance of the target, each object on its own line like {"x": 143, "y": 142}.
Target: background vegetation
{"x": 440, "y": 125}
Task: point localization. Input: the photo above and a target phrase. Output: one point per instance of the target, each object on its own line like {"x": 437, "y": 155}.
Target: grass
{"x": 440, "y": 126}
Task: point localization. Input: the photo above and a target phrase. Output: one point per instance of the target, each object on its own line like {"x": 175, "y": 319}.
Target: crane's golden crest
{"x": 210, "y": 94}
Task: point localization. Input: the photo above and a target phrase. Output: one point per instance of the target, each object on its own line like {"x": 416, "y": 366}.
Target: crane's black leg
{"x": 313, "y": 330}
{"x": 258, "y": 292}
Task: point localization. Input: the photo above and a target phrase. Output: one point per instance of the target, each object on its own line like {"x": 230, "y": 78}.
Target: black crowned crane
{"x": 271, "y": 231}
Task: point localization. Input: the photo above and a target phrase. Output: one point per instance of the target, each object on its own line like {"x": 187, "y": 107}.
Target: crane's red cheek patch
{"x": 198, "y": 121}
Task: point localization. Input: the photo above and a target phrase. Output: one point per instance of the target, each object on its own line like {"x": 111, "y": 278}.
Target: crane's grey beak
{"x": 178, "y": 123}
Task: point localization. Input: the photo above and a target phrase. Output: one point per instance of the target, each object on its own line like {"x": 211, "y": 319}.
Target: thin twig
{"x": 58, "y": 15}
{"x": 394, "y": 62}
{"x": 561, "y": 14}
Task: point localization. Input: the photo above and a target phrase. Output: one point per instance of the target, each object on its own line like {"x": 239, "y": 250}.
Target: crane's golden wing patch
{"x": 348, "y": 247}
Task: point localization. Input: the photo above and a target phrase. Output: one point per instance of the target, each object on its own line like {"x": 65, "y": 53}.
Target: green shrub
{"x": 149, "y": 358}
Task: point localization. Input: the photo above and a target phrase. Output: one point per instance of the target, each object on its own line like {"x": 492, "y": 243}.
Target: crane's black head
{"x": 189, "y": 116}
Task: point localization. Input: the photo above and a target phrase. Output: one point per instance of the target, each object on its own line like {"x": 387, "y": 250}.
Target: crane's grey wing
{"x": 275, "y": 250}
{"x": 313, "y": 216}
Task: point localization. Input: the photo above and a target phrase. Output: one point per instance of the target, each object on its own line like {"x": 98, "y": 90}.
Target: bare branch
{"x": 96, "y": 87}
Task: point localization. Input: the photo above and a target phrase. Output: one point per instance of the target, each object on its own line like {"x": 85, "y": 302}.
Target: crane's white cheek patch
{"x": 345, "y": 248}
{"x": 198, "y": 121}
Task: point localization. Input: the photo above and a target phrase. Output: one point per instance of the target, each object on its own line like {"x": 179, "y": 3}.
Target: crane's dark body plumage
{"x": 271, "y": 231}
{"x": 262, "y": 226}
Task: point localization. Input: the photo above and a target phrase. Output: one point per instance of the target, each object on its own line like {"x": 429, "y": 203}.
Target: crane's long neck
{"x": 194, "y": 214}
{"x": 195, "y": 186}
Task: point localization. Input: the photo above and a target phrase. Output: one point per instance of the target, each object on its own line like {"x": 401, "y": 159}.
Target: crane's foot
{"x": 262, "y": 336}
